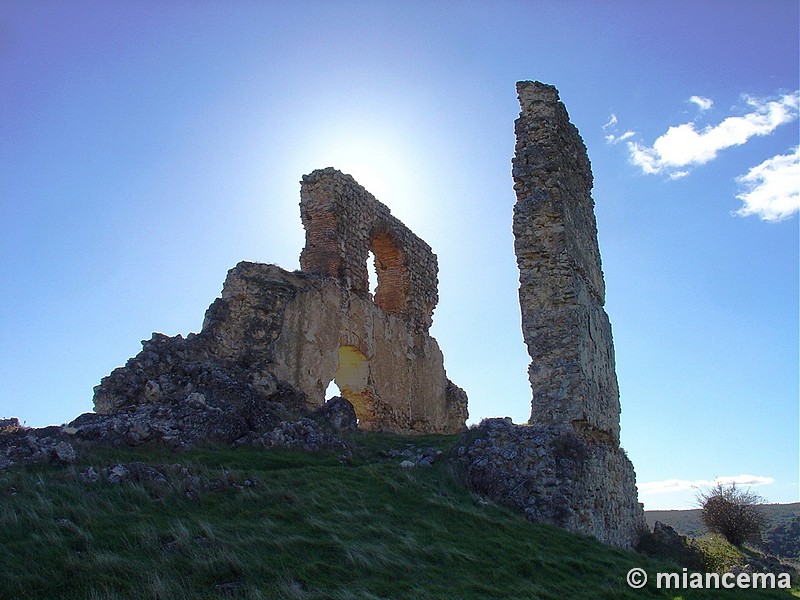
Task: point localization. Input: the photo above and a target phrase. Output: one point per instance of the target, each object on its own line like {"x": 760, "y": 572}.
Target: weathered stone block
{"x": 554, "y": 475}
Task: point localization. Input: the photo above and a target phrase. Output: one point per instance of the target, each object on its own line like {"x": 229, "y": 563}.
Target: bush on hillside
{"x": 733, "y": 513}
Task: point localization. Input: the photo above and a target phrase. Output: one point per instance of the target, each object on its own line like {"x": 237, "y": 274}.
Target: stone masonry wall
{"x": 343, "y": 222}
{"x": 568, "y": 460}
{"x": 561, "y": 292}
{"x": 275, "y": 332}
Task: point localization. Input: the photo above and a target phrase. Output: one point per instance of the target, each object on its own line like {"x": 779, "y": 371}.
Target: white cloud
{"x": 772, "y": 189}
{"x": 702, "y": 103}
{"x": 613, "y": 139}
{"x": 683, "y": 145}
{"x": 678, "y": 174}
{"x": 669, "y": 486}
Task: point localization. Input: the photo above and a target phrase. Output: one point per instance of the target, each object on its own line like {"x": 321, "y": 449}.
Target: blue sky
{"x": 147, "y": 147}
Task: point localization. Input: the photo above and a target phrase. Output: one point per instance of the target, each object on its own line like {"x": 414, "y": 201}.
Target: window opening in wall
{"x": 332, "y": 391}
{"x": 372, "y": 274}
{"x": 391, "y": 293}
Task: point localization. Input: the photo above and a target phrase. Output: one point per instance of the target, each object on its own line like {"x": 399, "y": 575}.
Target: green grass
{"x": 311, "y": 527}
{"x": 719, "y": 554}
{"x": 780, "y": 535}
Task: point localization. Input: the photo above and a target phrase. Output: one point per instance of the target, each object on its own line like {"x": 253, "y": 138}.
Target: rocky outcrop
{"x": 274, "y": 340}
{"x": 24, "y": 445}
{"x": 554, "y": 475}
{"x": 667, "y": 544}
{"x": 182, "y": 424}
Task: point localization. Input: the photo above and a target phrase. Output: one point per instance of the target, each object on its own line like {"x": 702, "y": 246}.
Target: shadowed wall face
{"x": 562, "y": 293}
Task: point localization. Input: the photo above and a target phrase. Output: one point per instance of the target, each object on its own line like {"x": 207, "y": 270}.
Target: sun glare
{"x": 389, "y": 159}
{"x": 369, "y": 176}
{"x": 380, "y": 164}
{"x": 372, "y": 164}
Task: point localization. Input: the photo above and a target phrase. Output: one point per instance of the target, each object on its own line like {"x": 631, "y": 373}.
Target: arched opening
{"x": 372, "y": 274}
{"x": 391, "y": 293}
{"x": 352, "y": 380}
{"x": 332, "y": 390}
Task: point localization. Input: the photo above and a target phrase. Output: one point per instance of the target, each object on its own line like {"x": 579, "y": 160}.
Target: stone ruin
{"x": 562, "y": 292}
{"x": 566, "y": 466}
{"x": 389, "y": 367}
{"x": 343, "y": 224}
{"x": 258, "y": 371}
{"x": 280, "y": 336}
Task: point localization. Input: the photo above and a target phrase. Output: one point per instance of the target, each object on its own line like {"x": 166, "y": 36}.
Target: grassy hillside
{"x": 252, "y": 523}
{"x": 781, "y": 533}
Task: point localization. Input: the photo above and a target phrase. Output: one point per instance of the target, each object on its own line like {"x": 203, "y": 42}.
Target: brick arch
{"x": 391, "y": 267}
{"x": 343, "y": 222}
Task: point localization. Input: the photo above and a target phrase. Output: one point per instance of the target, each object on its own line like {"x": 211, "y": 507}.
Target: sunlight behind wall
{"x": 377, "y": 155}
{"x": 380, "y": 168}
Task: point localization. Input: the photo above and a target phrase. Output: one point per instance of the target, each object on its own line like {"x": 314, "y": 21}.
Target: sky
{"x": 147, "y": 147}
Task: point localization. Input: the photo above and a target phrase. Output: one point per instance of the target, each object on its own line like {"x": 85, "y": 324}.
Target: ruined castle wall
{"x": 343, "y": 223}
{"x": 295, "y": 325}
{"x": 587, "y": 484}
{"x": 308, "y": 328}
{"x": 272, "y": 327}
{"x": 399, "y": 383}
{"x": 561, "y": 291}
{"x": 397, "y": 380}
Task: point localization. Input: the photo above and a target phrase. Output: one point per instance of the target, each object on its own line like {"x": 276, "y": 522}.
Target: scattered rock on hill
{"x": 185, "y": 417}
{"x": 304, "y": 434}
{"x": 416, "y": 457}
{"x": 666, "y": 543}
{"x": 184, "y": 422}
{"x": 336, "y": 415}
{"x": 22, "y": 445}
{"x": 8, "y": 425}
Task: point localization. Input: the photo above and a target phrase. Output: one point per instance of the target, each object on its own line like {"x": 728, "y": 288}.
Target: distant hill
{"x": 781, "y": 536}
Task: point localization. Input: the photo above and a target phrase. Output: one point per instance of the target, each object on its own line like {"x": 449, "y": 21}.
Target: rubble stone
{"x": 553, "y": 475}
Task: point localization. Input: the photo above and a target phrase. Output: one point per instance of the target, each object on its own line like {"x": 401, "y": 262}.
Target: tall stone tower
{"x": 564, "y": 324}
{"x": 562, "y": 291}
{"x": 566, "y": 466}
